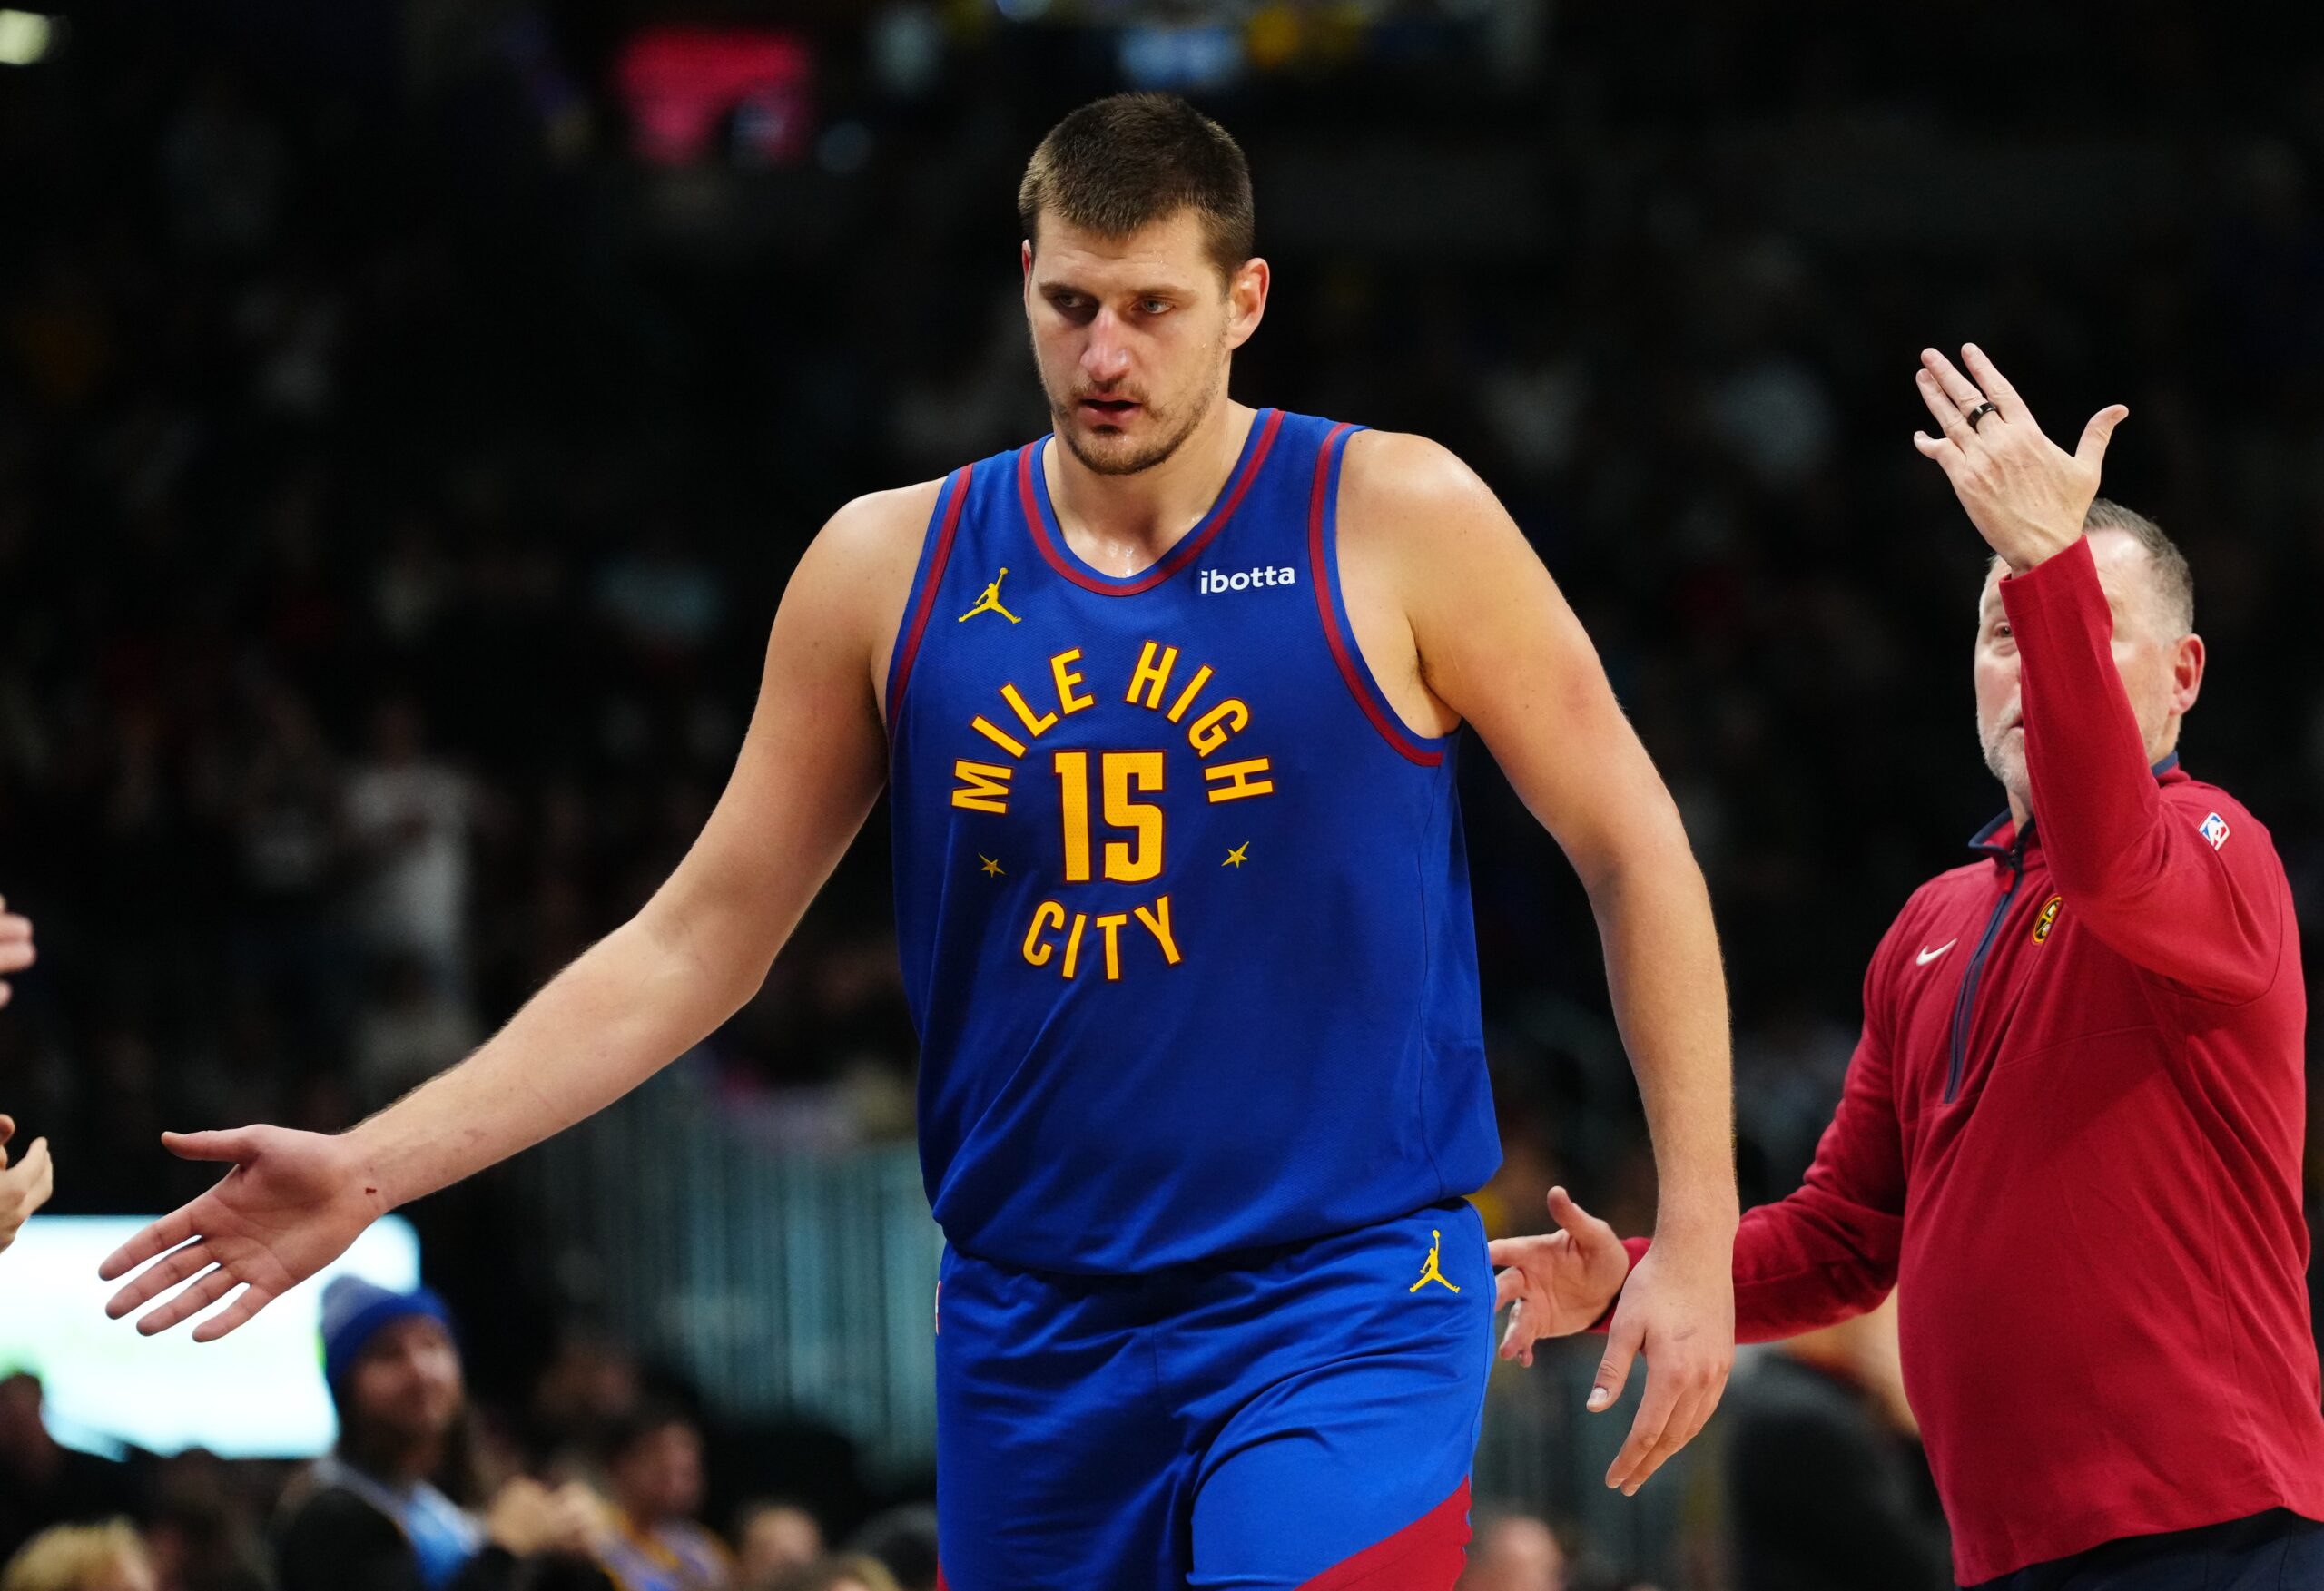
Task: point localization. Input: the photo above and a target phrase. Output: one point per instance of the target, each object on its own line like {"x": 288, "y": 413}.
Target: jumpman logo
{"x": 1429, "y": 1273}
{"x": 990, "y": 602}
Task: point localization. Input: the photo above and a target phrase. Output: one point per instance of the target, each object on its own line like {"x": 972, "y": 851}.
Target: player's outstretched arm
{"x": 1495, "y": 643}
{"x": 810, "y": 767}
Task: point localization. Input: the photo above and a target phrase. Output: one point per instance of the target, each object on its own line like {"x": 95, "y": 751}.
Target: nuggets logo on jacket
{"x": 2048, "y": 920}
{"x": 2215, "y": 830}
{"x": 1209, "y": 719}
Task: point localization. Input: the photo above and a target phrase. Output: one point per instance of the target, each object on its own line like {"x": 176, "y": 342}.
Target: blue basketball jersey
{"x": 1182, "y": 905}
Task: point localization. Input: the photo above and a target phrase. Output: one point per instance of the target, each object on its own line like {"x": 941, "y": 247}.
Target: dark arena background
{"x": 409, "y": 413}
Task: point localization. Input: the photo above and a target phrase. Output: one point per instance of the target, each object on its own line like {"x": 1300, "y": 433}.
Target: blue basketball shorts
{"x": 1294, "y": 1417}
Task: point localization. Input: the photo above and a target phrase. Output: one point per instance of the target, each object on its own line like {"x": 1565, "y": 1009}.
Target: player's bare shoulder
{"x": 856, "y": 574}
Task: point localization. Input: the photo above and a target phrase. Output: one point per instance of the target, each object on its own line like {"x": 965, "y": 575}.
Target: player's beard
{"x": 1126, "y": 459}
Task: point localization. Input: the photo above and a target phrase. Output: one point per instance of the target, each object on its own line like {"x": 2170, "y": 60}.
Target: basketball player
{"x": 1167, "y": 707}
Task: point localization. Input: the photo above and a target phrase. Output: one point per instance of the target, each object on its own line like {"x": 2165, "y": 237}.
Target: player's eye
{"x": 1154, "y": 306}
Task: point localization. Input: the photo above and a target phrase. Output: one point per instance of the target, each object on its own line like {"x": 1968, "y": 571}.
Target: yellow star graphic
{"x": 1236, "y": 859}
{"x": 991, "y": 867}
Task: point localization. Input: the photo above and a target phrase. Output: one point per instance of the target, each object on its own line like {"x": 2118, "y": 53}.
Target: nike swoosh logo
{"x": 1928, "y": 955}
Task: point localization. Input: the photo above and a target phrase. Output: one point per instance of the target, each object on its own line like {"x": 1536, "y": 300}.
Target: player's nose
{"x": 1106, "y": 357}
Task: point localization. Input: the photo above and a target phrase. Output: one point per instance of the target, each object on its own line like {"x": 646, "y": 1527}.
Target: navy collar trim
{"x": 1985, "y": 840}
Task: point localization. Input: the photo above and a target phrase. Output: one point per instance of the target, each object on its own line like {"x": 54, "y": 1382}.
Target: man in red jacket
{"x": 2070, "y": 1133}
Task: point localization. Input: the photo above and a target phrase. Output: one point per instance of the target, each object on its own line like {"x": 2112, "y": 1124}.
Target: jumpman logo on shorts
{"x": 1429, "y": 1273}
{"x": 990, "y": 602}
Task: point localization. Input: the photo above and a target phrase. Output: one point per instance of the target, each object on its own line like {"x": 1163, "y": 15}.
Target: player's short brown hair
{"x": 1124, "y": 163}
{"x": 2171, "y": 583}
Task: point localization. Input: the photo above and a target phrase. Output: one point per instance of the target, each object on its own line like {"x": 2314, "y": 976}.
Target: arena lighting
{"x": 24, "y": 37}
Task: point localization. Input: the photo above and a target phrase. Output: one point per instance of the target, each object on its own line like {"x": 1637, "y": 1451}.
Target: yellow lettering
{"x": 1186, "y": 697}
{"x": 1123, "y": 771}
{"x": 1067, "y": 679}
{"x": 1035, "y": 727}
{"x": 1235, "y": 781}
{"x": 984, "y": 786}
{"x": 1073, "y": 944}
{"x": 1206, "y": 735}
{"x": 1007, "y": 742}
{"x": 1049, "y": 914}
{"x": 1073, "y": 804}
{"x": 1111, "y": 922}
{"x": 1155, "y": 677}
{"x": 1158, "y": 923}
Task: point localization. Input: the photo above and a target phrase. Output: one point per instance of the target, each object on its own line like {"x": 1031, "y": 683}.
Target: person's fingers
{"x": 204, "y": 1291}
{"x": 1960, "y": 392}
{"x": 1685, "y": 1420}
{"x": 1654, "y": 1412}
{"x": 159, "y": 1237}
{"x": 2092, "y": 449}
{"x": 44, "y": 1174}
{"x": 1945, "y": 453}
{"x": 16, "y": 952}
{"x": 1622, "y": 1343}
{"x": 1949, "y": 415}
{"x": 1508, "y": 1287}
{"x": 1583, "y": 1229}
{"x": 1996, "y": 385}
{"x": 235, "y": 1144}
{"x": 5, "y": 995}
{"x": 254, "y": 1298}
{"x": 178, "y": 1266}
{"x": 1500, "y": 1252}
{"x": 7, "y": 1131}
{"x": 1516, "y": 1339}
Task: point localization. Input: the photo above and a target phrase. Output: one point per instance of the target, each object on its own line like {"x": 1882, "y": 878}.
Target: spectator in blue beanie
{"x": 373, "y": 1514}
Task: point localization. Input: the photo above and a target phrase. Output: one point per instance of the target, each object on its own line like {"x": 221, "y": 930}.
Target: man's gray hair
{"x": 2171, "y": 583}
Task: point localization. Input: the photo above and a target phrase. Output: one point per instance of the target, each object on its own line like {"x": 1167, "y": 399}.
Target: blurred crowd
{"x": 397, "y": 479}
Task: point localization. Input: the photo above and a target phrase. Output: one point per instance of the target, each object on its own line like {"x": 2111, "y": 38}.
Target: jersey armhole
{"x": 1324, "y": 574}
{"x": 936, "y": 550}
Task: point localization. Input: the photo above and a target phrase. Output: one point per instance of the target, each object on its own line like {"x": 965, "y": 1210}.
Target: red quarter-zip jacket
{"x": 2071, "y": 1136}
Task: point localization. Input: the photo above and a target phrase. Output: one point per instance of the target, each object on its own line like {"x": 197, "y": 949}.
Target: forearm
{"x": 2093, "y": 791}
{"x": 1669, "y": 994}
{"x": 631, "y": 1003}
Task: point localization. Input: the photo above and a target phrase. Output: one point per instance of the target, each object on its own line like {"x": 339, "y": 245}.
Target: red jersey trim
{"x": 1191, "y": 547}
{"x": 1426, "y": 1554}
{"x": 1321, "y": 577}
{"x": 900, "y": 669}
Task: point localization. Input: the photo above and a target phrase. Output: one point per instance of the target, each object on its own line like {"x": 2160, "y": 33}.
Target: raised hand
{"x": 16, "y": 944}
{"x": 1559, "y": 1283}
{"x": 291, "y": 1204}
{"x": 2025, "y": 494}
{"x": 25, "y": 1187}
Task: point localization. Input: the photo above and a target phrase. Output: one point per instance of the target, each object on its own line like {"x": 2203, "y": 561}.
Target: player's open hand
{"x": 289, "y": 1206}
{"x": 2025, "y": 494}
{"x": 16, "y": 944}
{"x": 1559, "y": 1283}
{"x": 1678, "y": 1309}
{"x": 25, "y": 1186}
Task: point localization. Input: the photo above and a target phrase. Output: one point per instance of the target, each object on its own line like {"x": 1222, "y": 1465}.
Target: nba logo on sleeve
{"x": 2215, "y": 830}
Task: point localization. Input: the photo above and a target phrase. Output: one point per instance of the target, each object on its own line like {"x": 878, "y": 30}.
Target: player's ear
{"x": 1247, "y": 300}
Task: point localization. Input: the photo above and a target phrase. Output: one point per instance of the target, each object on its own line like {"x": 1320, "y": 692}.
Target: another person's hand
{"x": 1559, "y": 1283}
{"x": 2025, "y": 494}
{"x": 17, "y": 951}
{"x": 291, "y": 1204}
{"x": 25, "y": 1187}
{"x": 1678, "y": 1309}
{"x": 528, "y": 1518}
